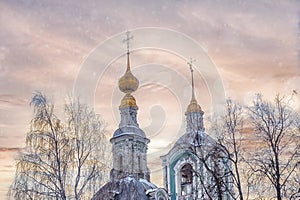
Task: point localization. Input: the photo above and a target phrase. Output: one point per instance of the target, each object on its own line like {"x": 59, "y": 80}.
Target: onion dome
{"x": 128, "y": 83}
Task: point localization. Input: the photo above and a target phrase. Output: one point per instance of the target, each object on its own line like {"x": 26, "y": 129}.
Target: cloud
{"x": 12, "y": 100}
{"x": 12, "y": 149}
{"x": 43, "y": 44}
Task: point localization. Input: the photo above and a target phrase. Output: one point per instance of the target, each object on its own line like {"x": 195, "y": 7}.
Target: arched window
{"x": 186, "y": 179}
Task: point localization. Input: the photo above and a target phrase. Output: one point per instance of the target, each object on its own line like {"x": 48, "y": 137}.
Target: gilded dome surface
{"x": 128, "y": 100}
{"x": 128, "y": 83}
{"x": 194, "y": 106}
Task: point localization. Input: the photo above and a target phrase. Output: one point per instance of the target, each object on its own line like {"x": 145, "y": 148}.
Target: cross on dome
{"x": 127, "y": 40}
{"x": 190, "y": 63}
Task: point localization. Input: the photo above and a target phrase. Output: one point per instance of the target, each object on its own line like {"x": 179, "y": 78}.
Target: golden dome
{"x": 194, "y": 106}
{"x": 128, "y": 83}
{"x": 128, "y": 100}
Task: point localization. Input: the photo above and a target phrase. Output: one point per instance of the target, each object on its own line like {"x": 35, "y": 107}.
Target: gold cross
{"x": 192, "y": 72}
{"x": 191, "y": 64}
{"x": 127, "y": 39}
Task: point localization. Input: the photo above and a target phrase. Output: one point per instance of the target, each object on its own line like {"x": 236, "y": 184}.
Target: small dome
{"x": 194, "y": 106}
{"x": 128, "y": 100}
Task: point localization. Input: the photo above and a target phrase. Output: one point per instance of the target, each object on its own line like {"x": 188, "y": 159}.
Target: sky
{"x": 75, "y": 47}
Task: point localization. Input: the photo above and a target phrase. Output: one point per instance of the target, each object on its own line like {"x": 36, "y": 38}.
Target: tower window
{"x": 139, "y": 164}
{"x": 120, "y": 163}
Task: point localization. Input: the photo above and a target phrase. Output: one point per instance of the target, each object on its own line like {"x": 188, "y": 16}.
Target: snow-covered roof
{"x": 188, "y": 140}
{"x": 147, "y": 184}
{"x": 195, "y": 139}
{"x": 129, "y": 130}
{"x": 125, "y": 188}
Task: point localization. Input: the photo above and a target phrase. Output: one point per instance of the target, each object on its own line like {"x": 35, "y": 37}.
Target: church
{"x": 186, "y": 175}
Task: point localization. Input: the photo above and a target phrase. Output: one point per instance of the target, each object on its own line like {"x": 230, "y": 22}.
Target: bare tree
{"x": 275, "y": 163}
{"x": 228, "y": 131}
{"x": 221, "y": 158}
{"x": 61, "y": 160}
{"x": 89, "y": 146}
{"x": 214, "y": 173}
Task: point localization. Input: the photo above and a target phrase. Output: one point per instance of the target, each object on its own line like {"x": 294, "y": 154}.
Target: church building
{"x": 186, "y": 175}
{"x": 194, "y": 168}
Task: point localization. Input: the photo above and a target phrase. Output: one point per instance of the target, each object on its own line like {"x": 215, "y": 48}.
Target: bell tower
{"x": 129, "y": 142}
{"x": 180, "y": 163}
